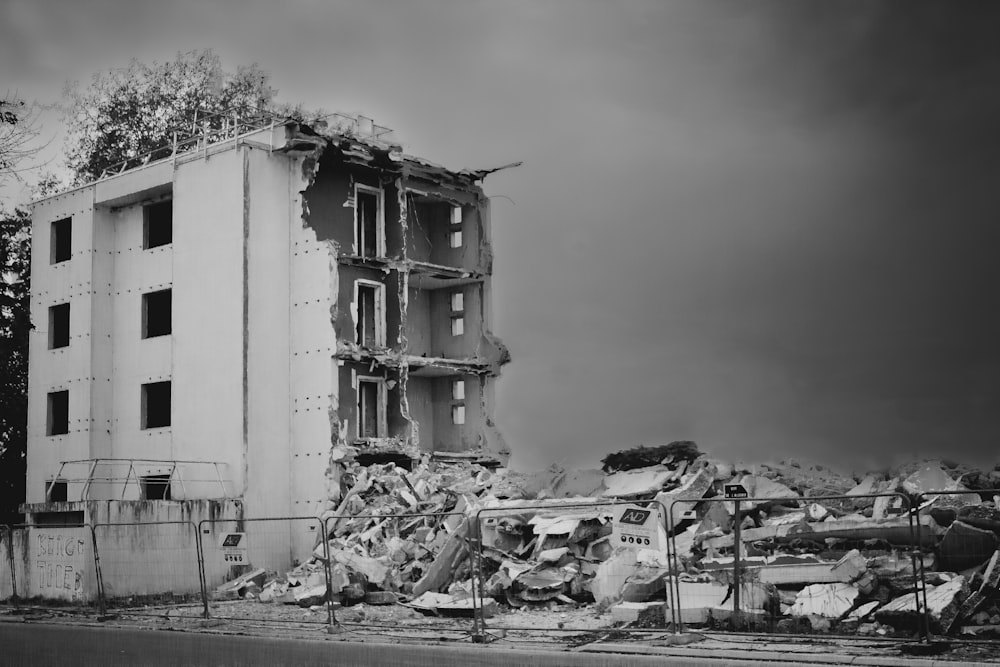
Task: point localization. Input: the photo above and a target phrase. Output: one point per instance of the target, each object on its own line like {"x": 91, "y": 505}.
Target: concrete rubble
{"x": 807, "y": 564}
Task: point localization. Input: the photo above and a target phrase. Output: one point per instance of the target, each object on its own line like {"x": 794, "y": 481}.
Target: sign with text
{"x": 636, "y": 527}
{"x": 234, "y": 548}
{"x": 735, "y": 492}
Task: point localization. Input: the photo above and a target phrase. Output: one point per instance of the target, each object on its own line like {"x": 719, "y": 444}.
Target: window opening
{"x": 371, "y": 402}
{"x": 367, "y": 222}
{"x": 458, "y": 390}
{"x": 158, "y": 224}
{"x": 56, "y": 492}
{"x": 457, "y": 326}
{"x": 457, "y": 302}
{"x": 370, "y": 300}
{"x": 156, "y": 404}
{"x": 62, "y": 243}
{"x": 455, "y": 239}
{"x": 58, "y": 326}
{"x": 458, "y": 414}
{"x": 58, "y": 413}
{"x": 456, "y": 215}
{"x": 156, "y": 314}
{"x": 155, "y": 487}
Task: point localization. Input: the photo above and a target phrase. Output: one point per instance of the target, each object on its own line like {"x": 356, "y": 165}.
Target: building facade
{"x": 227, "y": 322}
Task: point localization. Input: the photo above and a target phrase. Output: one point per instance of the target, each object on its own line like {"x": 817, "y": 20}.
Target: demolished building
{"x": 215, "y": 325}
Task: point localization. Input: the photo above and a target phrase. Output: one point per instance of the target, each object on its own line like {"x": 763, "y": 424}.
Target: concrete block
{"x": 646, "y": 614}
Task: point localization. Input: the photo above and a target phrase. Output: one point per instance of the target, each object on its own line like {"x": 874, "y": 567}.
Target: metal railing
{"x": 154, "y": 479}
{"x": 215, "y": 128}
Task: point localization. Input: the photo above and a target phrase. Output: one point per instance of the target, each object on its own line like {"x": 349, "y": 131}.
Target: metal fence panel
{"x": 577, "y": 556}
{"x": 245, "y": 562}
{"x": 147, "y": 564}
{"x": 803, "y": 593}
{"x": 8, "y": 576}
{"x": 428, "y": 557}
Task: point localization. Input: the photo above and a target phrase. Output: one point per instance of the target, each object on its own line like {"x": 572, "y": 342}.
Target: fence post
{"x": 737, "y": 544}
{"x": 201, "y": 567}
{"x": 99, "y": 575}
{"x": 10, "y": 563}
{"x": 331, "y": 617}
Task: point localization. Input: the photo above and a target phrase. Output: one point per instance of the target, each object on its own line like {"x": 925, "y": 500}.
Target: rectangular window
{"x": 61, "y": 239}
{"x": 456, "y": 215}
{"x": 56, "y": 491}
{"x": 457, "y": 302}
{"x": 157, "y": 224}
{"x": 458, "y": 390}
{"x": 458, "y": 414}
{"x": 369, "y": 239}
{"x": 155, "y": 487}
{"x": 371, "y": 408}
{"x": 58, "y": 326}
{"x": 455, "y": 239}
{"x": 156, "y": 313}
{"x": 457, "y": 326}
{"x": 369, "y": 298}
{"x": 57, "y": 422}
{"x": 156, "y": 404}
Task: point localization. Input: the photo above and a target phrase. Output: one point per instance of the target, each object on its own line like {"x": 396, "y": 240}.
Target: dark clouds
{"x": 765, "y": 226}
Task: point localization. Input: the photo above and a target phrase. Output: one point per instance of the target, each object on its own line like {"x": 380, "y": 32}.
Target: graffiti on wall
{"x": 58, "y": 560}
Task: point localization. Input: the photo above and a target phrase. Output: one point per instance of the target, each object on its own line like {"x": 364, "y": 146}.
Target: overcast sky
{"x": 769, "y": 227}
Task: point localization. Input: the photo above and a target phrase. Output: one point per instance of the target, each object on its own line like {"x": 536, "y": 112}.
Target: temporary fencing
{"x": 568, "y": 537}
{"x": 356, "y": 576}
{"x": 148, "y": 563}
{"x": 969, "y": 541}
{"x": 8, "y": 575}
{"x": 252, "y": 551}
{"x": 749, "y": 601}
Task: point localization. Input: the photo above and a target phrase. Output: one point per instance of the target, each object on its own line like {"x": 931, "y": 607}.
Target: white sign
{"x": 636, "y": 527}
{"x": 234, "y": 548}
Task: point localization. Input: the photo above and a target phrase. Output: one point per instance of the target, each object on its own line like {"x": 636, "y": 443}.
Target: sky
{"x": 768, "y": 227}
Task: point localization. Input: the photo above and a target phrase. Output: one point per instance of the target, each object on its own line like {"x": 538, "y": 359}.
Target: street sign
{"x": 735, "y": 491}
{"x": 635, "y": 527}
{"x": 234, "y": 548}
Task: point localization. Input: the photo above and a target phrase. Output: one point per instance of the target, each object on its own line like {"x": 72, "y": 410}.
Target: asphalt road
{"x": 37, "y": 644}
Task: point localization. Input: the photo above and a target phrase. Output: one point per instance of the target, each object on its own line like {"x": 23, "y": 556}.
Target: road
{"x": 37, "y": 644}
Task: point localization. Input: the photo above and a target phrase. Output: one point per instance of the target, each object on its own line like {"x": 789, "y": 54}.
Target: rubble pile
{"x": 808, "y": 564}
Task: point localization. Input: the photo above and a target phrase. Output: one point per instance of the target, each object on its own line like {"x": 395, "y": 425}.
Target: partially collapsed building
{"x": 216, "y": 323}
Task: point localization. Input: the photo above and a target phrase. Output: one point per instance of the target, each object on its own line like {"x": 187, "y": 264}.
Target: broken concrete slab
{"x": 644, "y": 583}
{"x": 826, "y": 600}
{"x": 237, "y": 587}
{"x": 986, "y": 590}
{"x": 943, "y": 605}
{"x": 637, "y": 482}
{"x": 610, "y": 577}
{"x": 452, "y": 605}
{"x": 684, "y": 497}
{"x": 644, "y": 614}
{"x": 964, "y": 546}
{"x": 442, "y": 570}
{"x": 696, "y": 599}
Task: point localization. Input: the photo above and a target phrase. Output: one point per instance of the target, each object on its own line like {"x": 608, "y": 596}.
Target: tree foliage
{"x": 15, "y": 323}
{"x": 19, "y": 132}
{"x": 128, "y": 112}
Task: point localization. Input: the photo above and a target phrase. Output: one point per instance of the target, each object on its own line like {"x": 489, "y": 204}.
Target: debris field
{"x": 806, "y": 564}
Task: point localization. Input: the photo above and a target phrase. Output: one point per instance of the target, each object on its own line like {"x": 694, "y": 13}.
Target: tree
{"x": 15, "y": 323}
{"x": 127, "y": 113}
{"x": 19, "y": 131}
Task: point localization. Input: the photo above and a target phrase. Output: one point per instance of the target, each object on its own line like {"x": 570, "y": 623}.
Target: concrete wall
{"x": 209, "y": 306}
{"x": 67, "y": 368}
